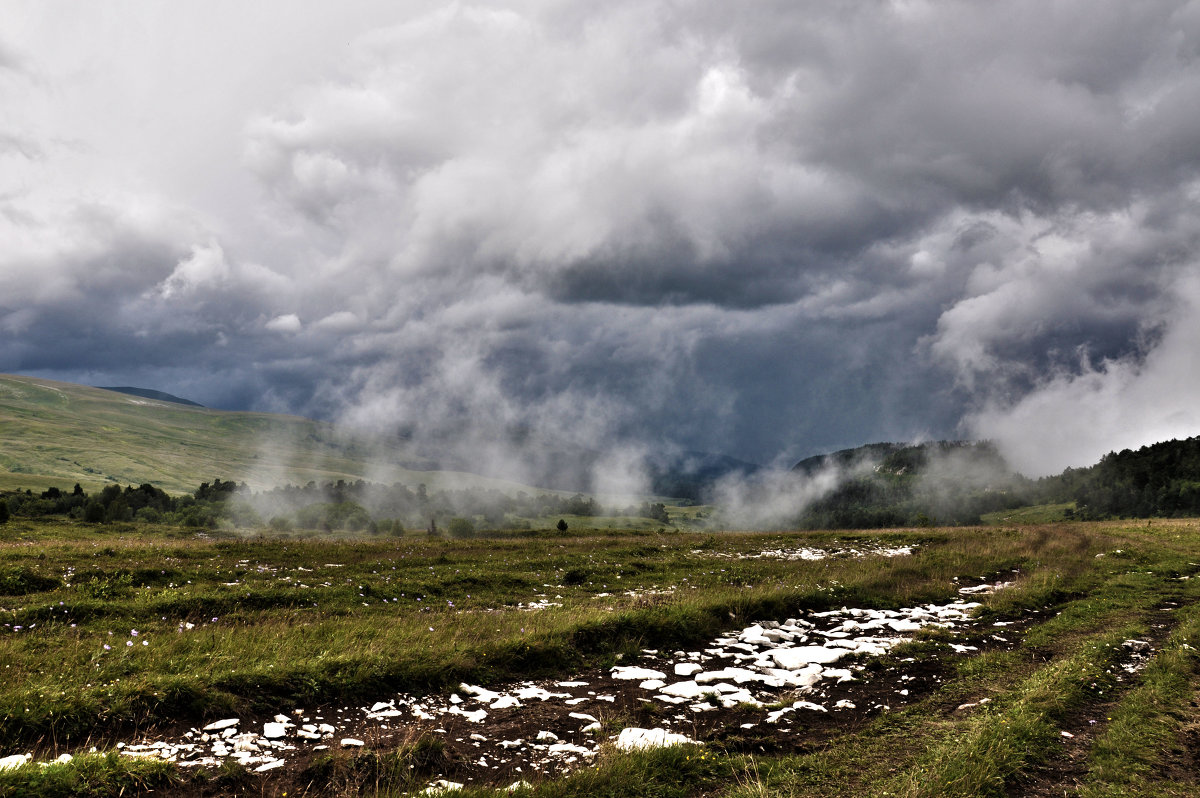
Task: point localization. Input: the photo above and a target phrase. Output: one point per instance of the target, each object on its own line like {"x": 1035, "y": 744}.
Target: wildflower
{"x": 133, "y": 632}
{"x": 107, "y": 647}
{"x": 128, "y": 642}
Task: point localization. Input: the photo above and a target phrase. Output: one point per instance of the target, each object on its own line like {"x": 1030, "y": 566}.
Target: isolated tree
{"x": 3, "y": 512}
{"x": 93, "y": 512}
{"x": 562, "y": 525}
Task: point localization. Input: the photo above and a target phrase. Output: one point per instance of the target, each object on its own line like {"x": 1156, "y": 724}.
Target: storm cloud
{"x": 768, "y": 231}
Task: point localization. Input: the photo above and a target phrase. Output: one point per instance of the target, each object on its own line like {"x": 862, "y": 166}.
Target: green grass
{"x": 56, "y": 434}
{"x": 1033, "y": 514}
{"x": 303, "y": 620}
{"x": 89, "y": 776}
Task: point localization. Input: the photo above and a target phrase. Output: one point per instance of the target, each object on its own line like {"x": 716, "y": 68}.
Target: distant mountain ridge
{"x": 149, "y": 393}
{"x": 55, "y": 434}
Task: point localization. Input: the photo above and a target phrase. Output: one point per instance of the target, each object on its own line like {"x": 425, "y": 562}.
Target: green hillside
{"x": 57, "y": 434}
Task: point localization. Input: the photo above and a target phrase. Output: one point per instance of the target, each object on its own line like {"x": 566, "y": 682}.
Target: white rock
{"x": 273, "y": 731}
{"x": 634, "y": 673}
{"x": 751, "y": 631}
{"x": 652, "y": 684}
{"x": 796, "y": 658}
{"x": 583, "y": 716}
{"x": 841, "y": 674}
{"x": 688, "y": 689}
{"x": 530, "y": 693}
{"x": 546, "y": 735}
{"x": 687, "y": 669}
{"x": 14, "y": 761}
{"x": 222, "y": 724}
{"x": 441, "y": 786}
{"x": 633, "y": 738}
{"x": 505, "y": 702}
{"x": 904, "y": 625}
{"x": 351, "y": 742}
{"x": 483, "y": 694}
{"x": 284, "y": 719}
{"x": 569, "y": 748}
{"x": 271, "y": 765}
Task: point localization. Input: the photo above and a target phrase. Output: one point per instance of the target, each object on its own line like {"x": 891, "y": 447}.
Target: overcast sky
{"x": 767, "y": 229}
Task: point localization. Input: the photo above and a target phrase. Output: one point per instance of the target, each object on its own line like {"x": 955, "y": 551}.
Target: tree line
{"x": 354, "y": 506}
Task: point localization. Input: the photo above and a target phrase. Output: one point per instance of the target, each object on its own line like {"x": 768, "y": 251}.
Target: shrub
{"x": 461, "y": 528}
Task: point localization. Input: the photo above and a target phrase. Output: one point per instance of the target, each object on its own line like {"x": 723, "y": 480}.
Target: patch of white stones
{"x": 813, "y": 553}
{"x": 755, "y": 666}
{"x": 777, "y": 667}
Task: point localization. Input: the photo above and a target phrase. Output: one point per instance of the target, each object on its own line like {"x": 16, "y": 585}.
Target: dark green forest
{"x": 957, "y": 482}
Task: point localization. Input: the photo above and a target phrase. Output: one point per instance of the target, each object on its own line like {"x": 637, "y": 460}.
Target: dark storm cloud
{"x": 768, "y": 231}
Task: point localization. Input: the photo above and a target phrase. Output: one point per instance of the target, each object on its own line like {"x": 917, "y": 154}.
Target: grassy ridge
{"x": 56, "y": 434}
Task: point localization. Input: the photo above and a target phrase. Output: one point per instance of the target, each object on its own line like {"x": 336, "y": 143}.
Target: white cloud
{"x": 1073, "y": 419}
{"x": 287, "y": 323}
{"x": 794, "y": 228}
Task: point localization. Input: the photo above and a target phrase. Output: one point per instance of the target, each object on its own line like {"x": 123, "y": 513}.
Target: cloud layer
{"x": 645, "y": 225}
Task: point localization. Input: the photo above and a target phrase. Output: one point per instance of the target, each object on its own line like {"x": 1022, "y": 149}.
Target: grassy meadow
{"x": 56, "y": 434}
{"x": 107, "y": 631}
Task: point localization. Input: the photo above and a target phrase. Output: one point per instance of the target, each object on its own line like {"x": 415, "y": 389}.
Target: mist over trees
{"x": 880, "y": 485}
{"x": 892, "y": 484}
{"x": 356, "y": 506}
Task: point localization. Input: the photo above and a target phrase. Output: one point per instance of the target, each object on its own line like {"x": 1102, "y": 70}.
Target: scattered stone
{"x": 633, "y": 738}
{"x": 351, "y": 742}
{"x": 15, "y": 761}
{"x": 221, "y": 725}
{"x": 634, "y": 673}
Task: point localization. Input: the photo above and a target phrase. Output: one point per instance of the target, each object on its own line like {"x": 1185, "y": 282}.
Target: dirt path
{"x": 1065, "y": 772}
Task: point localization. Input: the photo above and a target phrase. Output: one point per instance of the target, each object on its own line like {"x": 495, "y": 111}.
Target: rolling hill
{"x": 57, "y": 434}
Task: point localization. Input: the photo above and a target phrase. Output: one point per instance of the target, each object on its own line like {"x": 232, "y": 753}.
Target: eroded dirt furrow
{"x": 725, "y": 696}
{"x": 1064, "y": 773}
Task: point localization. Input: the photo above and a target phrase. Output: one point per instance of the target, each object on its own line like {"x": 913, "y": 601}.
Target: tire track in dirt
{"x": 1065, "y": 773}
